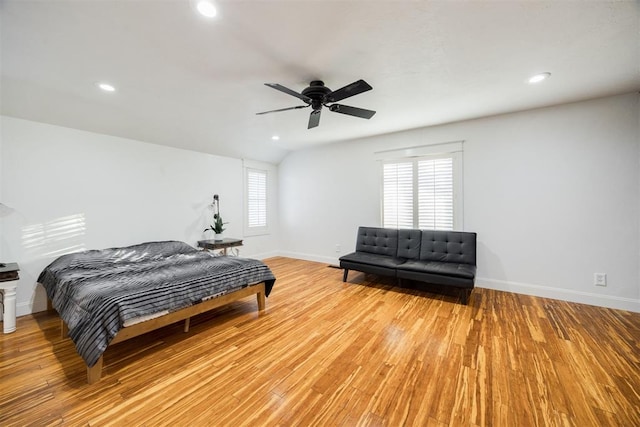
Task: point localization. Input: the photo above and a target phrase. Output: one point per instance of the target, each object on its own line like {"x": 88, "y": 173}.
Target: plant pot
{"x": 217, "y": 237}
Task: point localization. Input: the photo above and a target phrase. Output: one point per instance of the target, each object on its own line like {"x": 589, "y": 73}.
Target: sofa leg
{"x": 465, "y": 297}
{"x": 344, "y": 275}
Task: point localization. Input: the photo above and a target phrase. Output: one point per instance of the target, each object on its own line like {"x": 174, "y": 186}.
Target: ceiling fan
{"x": 317, "y": 95}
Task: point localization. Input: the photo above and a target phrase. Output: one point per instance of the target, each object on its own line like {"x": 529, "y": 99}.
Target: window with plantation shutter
{"x": 421, "y": 193}
{"x": 256, "y": 198}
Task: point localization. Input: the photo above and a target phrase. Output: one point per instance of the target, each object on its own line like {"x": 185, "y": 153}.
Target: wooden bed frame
{"x": 94, "y": 373}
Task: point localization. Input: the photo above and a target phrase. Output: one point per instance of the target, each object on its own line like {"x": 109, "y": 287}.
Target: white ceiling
{"x": 189, "y": 82}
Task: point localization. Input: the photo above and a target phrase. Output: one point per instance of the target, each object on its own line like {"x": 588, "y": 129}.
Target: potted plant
{"x": 218, "y": 226}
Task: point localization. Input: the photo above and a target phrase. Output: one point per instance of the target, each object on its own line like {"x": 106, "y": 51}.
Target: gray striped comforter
{"x": 96, "y": 292}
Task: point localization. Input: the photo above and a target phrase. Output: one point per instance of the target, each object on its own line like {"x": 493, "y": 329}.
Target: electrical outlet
{"x": 338, "y": 249}
{"x": 600, "y": 279}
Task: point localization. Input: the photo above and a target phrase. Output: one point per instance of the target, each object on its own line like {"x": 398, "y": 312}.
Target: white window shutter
{"x": 435, "y": 194}
{"x": 256, "y": 198}
{"x": 398, "y": 195}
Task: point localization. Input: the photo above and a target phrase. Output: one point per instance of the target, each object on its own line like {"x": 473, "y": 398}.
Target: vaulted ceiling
{"x": 186, "y": 81}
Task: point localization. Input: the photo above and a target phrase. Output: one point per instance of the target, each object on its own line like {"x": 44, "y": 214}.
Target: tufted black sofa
{"x": 432, "y": 256}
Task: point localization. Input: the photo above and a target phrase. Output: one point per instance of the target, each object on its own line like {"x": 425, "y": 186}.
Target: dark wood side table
{"x": 223, "y": 244}
{"x": 8, "y": 284}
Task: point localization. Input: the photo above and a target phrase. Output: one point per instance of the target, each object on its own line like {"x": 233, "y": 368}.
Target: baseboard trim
{"x": 261, "y": 256}
{"x": 310, "y": 257}
{"x": 23, "y": 308}
{"x": 589, "y": 298}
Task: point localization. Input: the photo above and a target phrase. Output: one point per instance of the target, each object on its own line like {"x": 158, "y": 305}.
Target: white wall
{"x": 1, "y": 199}
{"x": 553, "y": 194}
{"x": 75, "y": 190}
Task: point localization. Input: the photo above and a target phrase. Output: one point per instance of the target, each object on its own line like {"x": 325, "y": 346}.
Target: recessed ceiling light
{"x": 106, "y": 87}
{"x": 275, "y": 137}
{"x": 206, "y": 8}
{"x": 539, "y": 77}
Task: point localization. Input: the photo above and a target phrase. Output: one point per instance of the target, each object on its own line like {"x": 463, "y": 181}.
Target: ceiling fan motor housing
{"x": 318, "y": 92}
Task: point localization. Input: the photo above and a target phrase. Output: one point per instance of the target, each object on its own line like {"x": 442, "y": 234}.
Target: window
{"x": 422, "y": 193}
{"x": 256, "y": 201}
{"x": 260, "y": 197}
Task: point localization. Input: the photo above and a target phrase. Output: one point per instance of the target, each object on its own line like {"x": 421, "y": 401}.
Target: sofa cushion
{"x": 465, "y": 271}
{"x": 409, "y": 244}
{"x": 381, "y": 241}
{"x": 434, "y": 279}
{"x": 371, "y": 259}
{"x": 448, "y": 246}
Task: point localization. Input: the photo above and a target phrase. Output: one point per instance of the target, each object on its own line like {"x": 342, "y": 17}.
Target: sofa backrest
{"x": 426, "y": 245}
{"x": 448, "y": 246}
{"x": 409, "y": 244}
{"x": 381, "y": 241}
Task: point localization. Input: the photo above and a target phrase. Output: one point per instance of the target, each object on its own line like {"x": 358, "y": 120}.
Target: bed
{"x": 110, "y": 295}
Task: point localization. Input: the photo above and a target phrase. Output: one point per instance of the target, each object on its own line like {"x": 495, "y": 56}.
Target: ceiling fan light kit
{"x": 318, "y": 95}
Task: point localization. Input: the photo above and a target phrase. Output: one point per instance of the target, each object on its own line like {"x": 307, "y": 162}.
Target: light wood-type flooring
{"x": 329, "y": 353}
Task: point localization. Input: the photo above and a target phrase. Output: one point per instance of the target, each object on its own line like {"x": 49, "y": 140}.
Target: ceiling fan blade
{"x": 352, "y": 111}
{"x": 281, "y": 88}
{"x": 314, "y": 119}
{"x": 283, "y": 109}
{"x": 349, "y": 90}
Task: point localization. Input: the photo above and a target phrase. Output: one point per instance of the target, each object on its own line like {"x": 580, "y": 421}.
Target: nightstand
{"x": 219, "y": 244}
{"x": 8, "y": 285}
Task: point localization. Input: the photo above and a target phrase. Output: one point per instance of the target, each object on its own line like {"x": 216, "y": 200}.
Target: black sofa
{"x": 432, "y": 256}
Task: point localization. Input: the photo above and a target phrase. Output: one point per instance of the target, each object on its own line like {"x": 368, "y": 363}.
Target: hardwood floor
{"x": 330, "y": 353}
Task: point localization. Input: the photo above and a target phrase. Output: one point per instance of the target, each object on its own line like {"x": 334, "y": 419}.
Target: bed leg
{"x": 261, "y": 300}
{"x": 95, "y": 372}
{"x": 64, "y": 329}
{"x": 344, "y": 276}
{"x": 187, "y": 322}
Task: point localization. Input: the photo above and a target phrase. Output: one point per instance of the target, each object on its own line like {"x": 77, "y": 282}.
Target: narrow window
{"x": 256, "y": 201}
